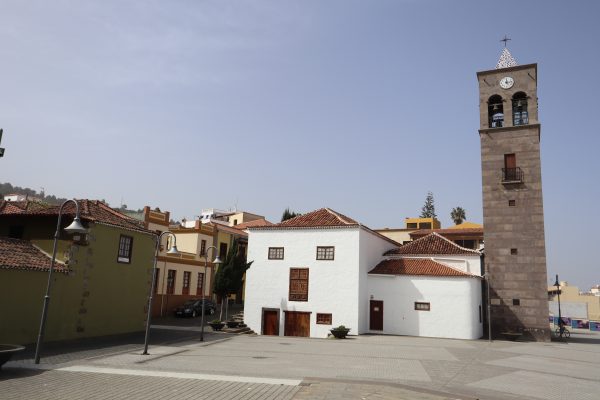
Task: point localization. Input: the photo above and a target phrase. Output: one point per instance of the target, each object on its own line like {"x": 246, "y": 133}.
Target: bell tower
{"x": 513, "y": 214}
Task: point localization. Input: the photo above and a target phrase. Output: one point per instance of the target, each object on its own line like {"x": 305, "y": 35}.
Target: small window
{"x": 275, "y": 253}
{"x": 235, "y": 222}
{"x": 200, "y": 284}
{"x": 323, "y": 319}
{"x": 512, "y": 203}
{"x": 425, "y": 225}
{"x": 516, "y": 302}
{"x": 514, "y": 252}
{"x": 171, "y": 281}
{"x": 203, "y": 247}
{"x": 186, "y": 282}
{"x": 422, "y": 306}
{"x": 298, "y": 284}
{"x": 223, "y": 251}
{"x": 325, "y": 253}
{"x": 411, "y": 225}
{"x": 480, "y": 315}
{"x": 125, "y": 247}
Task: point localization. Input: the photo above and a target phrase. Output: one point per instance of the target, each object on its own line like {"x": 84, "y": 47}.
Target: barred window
{"x": 186, "y": 282}
{"x": 125, "y": 247}
{"x": 275, "y": 253}
{"x": 200, "y": 284}
{"x": 325, "y": 252}
{"x": 298, "y": 284}
{"x": 422, "y": 306}
{"x": 323, "y": 319}
{"x": 203, "y": 247}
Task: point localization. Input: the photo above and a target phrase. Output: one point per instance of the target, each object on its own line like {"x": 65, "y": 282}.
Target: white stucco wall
{"x": 372, "y": 248}
{"x": 454, "y": 304}
{"x": 333, "y": 285}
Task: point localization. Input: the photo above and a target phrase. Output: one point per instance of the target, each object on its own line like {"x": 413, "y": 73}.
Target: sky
{"x": 360, "y": 106}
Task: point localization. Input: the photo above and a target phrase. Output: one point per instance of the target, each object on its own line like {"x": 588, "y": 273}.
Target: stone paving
{"x": 365, "y": 367}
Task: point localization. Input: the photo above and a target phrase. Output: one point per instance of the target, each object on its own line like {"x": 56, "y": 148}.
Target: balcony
{"x": 512, "y": 175}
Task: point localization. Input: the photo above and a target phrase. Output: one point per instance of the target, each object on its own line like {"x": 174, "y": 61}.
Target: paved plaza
{"x": 260, "y": 367}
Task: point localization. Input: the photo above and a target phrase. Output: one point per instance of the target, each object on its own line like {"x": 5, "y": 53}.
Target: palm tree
{"x": 458, "y": 215}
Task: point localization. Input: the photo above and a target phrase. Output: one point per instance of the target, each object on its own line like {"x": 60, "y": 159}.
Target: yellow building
{"x": 422, "y": 223}
{"x": 402, "y": 235}
{"x": 573, "y": 295}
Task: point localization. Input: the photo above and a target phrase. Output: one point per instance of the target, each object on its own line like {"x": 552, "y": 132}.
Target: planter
{"x": 512, "y": 336}
{"x": 217, "y": 326}
{"x": 233, "y": 324}
{"x": 7, "y": 351}
{"x": 339, "y": 333}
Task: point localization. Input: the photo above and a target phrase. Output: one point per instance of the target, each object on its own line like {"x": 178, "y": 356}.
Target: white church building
{"x": 322, "y": 269}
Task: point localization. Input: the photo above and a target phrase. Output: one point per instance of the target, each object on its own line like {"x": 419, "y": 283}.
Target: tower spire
{"x": 506, "y": 59}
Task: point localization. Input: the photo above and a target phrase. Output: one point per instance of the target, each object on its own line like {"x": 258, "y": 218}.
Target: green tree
{"x": 428, "y": 210}
{"x": 287, "y": 214}
{"x": 458, "y": 215}
{"x": 228, "y": 278}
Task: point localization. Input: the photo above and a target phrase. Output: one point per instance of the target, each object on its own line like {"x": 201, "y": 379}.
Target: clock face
{"x": 507, "y": 82}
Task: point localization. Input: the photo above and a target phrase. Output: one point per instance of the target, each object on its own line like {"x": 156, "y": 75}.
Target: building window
{"x": 275, "y": 253}
{"x": 223, "y": 251}
{"x": 516, "y": 302}
{"x": 323, "y": 319}
{"x": 186, "y": 282}
{"x": 125, "y": 247}
{"x": 514, "y": 252}
{"x": 495, "y": 112}
{"x": 298, "y": 284}
{"x": 171, "y": 281}
{"x": 422, "y": 306}
{"x": 235, "y": 222}
{"x": 512, "y": 203}
{"x": 480, "y": 315}
{"x": 411, "y": 225}
{"x": 203, "y": 247}
{"x": 200, "y": 284}
{"x": 425, "y": 225}
{"x": 467, "y": 244}
{"x": 325, "y": 252}
{"x": 156, "y": 275}
{"x": 519, "y": 109}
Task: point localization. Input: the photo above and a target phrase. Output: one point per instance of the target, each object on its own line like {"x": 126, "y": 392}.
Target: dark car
{"x": 193, "y": 308}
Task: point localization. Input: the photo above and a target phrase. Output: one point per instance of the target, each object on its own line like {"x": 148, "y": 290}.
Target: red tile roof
{"x": 416, "y": 266}
{"x": 432, "y": 244}
{"x": 23, "y": 255}
{"x": 322, "y": 217}
{"x": 90, "y": 210}
{"x": 254, "y": 223}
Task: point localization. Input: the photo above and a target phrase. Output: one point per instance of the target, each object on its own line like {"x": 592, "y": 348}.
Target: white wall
{"x": 454, "y": 304}
{"x": 372, "y": 248}
{"x": 333, "y": 285}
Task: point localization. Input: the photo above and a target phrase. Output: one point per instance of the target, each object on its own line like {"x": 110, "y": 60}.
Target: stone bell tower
{"x": 513, "y": 214}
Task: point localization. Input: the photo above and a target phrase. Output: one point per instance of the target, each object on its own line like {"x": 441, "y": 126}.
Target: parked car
{"x": 193, "y": 308}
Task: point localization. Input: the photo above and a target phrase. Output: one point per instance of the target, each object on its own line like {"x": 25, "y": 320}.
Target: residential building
{"x": 467, "y": 234}
{"x": 102, "y": 278}
{"x": 571, "y": 294}
{"x": 402, "y": 235}
{"x": 324, "y": 269}
{"x": 513, "y": 214}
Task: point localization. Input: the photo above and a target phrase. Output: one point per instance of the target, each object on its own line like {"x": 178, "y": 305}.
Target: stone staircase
{"x": 241, "y": 328}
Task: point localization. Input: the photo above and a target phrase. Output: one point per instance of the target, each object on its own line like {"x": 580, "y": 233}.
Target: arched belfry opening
{"x": 495, "y": 111}
{"x": 519, "y": 109}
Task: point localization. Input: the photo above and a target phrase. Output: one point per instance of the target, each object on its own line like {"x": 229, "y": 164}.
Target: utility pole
{"x": 1, "y": 148}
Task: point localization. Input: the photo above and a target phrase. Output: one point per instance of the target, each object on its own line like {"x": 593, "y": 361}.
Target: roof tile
{"x": 317, "y": 218}
{"x": 23, "y": 255}
{"x": 432, "y": 244}
{"x": 416, "y": 266}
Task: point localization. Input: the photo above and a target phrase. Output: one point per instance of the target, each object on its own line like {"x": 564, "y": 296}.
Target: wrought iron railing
{"x": 512, "y": 174}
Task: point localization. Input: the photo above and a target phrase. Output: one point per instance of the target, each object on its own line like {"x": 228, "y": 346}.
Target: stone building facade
{"x": 513, "y": 215}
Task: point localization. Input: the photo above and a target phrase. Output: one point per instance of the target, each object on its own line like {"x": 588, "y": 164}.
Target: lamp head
{"x": 76, "y": 226}
{"x": 557, "y": 283}
{"x": 217, "y": 260}
{"x": 173, "y": 250}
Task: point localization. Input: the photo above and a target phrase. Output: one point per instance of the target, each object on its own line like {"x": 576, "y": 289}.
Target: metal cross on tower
{"x": 505, "y": 40}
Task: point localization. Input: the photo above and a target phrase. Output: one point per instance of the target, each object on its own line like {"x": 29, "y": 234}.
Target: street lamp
{"x": 216, "y": 261}
{"x": 173, "y": 251}
{"x": 560, "y": 323}
{"x": 75, "y": 227}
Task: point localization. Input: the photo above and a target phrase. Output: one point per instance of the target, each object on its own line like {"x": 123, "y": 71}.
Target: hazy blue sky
{"x": 361, "y": 106}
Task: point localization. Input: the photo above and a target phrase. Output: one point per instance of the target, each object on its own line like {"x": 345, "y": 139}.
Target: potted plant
{"x": 340, "y": 332}
{"x": 216, "y": 324}
{"x": 233, "y": 324}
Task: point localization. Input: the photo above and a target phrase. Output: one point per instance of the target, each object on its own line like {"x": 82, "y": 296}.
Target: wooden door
{"x": 510, "y": 161}
{"x": 297, "y": 324}
{"x": 270, "y": 322}
{"x": 376, "y": 315}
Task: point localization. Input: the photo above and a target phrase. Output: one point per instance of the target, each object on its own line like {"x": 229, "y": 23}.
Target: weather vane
{"x": 505, "y": 40}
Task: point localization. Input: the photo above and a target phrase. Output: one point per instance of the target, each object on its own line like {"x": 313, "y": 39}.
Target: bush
{"x": 215, "y": 321}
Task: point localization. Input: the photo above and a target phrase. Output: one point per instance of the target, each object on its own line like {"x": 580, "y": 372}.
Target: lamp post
{"x": 172, "y": 251}
{"x": 75, "y": 227}
{"x": 216, "y": 261}
{"x": 560, "y": 323}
